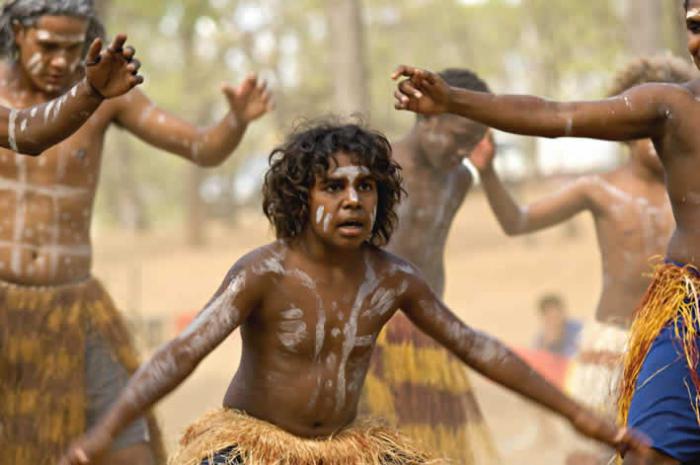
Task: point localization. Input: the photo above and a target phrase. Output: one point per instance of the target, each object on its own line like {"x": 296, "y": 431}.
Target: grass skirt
{"x": 42, "y": 367}
{"x": 672, "y": 298}
{"x": 419, "y": 387}
{"x": 258, "y": 442}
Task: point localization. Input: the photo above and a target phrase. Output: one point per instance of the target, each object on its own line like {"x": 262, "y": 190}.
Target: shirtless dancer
{"x": 660, "y": 389}
{"x": 50, "y": 389}
{"x": 430, "y": 397}
{"x": 110, "y": 73}
{"x": 633, "y": 221}
{"x": 310, "y": 307}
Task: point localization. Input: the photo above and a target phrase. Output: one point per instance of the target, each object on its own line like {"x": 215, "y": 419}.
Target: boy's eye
{"x": 49, "y": 47}
{"x": 366, "y": 186}
{"x": 334, "y": 186}
{"x": 694, "y": 26}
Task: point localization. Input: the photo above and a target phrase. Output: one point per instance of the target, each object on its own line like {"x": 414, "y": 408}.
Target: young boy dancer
{"x": 426, "y": 392}
{"x": 109, "y": 73}
{"x": 660, "y": 389}
{"x": 51, "y": 391}
{"x": 633, "y": 221}
{"x": 310, "y": 307}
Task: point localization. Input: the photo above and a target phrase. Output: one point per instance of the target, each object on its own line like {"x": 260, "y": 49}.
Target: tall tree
{"x": 644, "y": 26}
{"x": 346, "y": 37}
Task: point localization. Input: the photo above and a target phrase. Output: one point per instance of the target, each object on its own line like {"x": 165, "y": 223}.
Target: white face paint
{"x": 350, "y": 172}
{"x": 35, "y": 64}
{"x": 319, "y": 214}
{"x": 327, "y": 222}
{"x": 70, "y": 39}
{"x": 692, "y": 13}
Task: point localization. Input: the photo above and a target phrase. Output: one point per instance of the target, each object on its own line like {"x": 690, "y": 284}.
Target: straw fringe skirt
{"x": 672, "y": 298}
{"x": 42, "y": 367}
{"x": 256, "y": 442}
{"x": 419, "y": 387}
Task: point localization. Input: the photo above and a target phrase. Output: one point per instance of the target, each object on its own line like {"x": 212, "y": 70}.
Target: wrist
{"x": 486, "y": 170}
{"x": 91, "y": 91}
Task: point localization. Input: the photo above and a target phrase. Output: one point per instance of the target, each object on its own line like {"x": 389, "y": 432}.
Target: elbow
{"x": 210, "y": 162}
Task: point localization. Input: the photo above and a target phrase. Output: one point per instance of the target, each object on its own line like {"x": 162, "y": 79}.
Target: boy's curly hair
{"x": 306, "y": 156}
{"x": 659, "y": 68}
{"x": 27, "y": 12}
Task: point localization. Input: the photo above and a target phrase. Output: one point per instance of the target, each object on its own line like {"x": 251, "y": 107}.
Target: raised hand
{"x": 113, "y": 71}
{"x": 250, "y": 100}
{"x": 483, "y": 154}
{"x": 421, "y": 91}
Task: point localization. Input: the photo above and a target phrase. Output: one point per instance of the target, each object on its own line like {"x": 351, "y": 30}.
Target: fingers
{"x": 93, "y": 54}
{"x": 135, "y": 80}
{"x": 133, "y": 66}
{"x": 401, "y": 101}
{"x": 408, "y": 88}
{"x": 403, "y": 70}
{"x": 117, "y": 45}
{"x": 129, "y": 52}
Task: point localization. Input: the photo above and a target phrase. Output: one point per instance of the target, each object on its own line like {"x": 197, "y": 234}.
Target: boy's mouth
{"x": 351, "y": 227}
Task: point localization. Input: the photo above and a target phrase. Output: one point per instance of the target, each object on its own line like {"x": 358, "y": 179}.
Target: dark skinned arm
{"x": 109, "y": 73}
{"x": 516, "y": 220}
{"x": 495, "y": 361}
{"x": 171, "y": 364}
{"x": 203, "y": 146}
{"x": 641, "y": 112}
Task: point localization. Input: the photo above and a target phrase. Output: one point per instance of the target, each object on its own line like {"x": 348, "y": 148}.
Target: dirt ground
{"x": 493, "y": 284}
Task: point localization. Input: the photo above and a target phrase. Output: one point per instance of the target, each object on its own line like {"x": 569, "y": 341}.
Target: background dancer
{"x": 633, "y": 221}
{"x": 660, "y": 386}
{"x": 310, "y": 307}
{"x": 50, "y": 390}
{"x": 427, "y": 393}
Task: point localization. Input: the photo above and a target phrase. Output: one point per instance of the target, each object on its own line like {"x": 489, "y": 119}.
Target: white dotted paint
{"x": 11, "y": 130}
{"x": 292, "y": 334}
{"x": 23, "y": 125}
{"x": 34, "y": 112}
{"x": 74, "y": 91}
{"x": 47, "y": 110}
{"x": 327, "y": 222}
{"x": 319, "y": 214}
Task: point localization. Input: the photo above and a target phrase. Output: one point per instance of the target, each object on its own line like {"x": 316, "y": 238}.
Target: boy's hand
{"x": 422, "y": 91}
{"x": 250, "y": 100}
{"x": 114, "y": 71}
{"x": 87, "y": 449}
{"x": 622, "y": 439}
{"x": 483, "y": 154}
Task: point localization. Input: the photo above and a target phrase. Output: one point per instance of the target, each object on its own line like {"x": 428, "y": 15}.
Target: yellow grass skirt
{"x": 261, "y": 443}
{"x": 42, "y": 367}
{"x": 672, "y": 297}
{"x": 419, "y": 387}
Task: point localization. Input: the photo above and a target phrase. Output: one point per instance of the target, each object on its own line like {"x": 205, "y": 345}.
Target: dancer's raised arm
{"x": 638, "y": 113}
{"x": 109, "y": 73}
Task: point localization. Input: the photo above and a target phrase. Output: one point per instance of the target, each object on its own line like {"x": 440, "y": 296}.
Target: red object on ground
{"x": 552, "y": 367}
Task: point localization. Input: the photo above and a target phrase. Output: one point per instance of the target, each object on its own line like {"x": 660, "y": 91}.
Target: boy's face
{"x": 343, "y": 204}
{"x": 446, "y": 140}
{"x": 692, "y": 21}
{"x": 51, "y": 50}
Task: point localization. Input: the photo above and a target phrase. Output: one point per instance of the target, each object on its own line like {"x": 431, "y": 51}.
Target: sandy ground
{"x": 493, "y": 284}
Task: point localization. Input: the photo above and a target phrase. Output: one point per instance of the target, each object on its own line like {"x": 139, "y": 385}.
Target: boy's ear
{"x": 19, "y": 32}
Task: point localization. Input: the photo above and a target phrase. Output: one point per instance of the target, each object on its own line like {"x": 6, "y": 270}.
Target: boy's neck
{"x": 410, "y": 144}
{"x": 320, "y": 252}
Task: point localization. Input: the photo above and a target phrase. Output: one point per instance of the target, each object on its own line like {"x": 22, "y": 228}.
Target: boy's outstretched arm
{"x": 210, "y": 146}
{"x": 494, "y": 360}
{"x": 109, "y": 73}
{"x": 641, "y": 112}
{"x": 515, "y": 219}
{"x": 237, "y": 296}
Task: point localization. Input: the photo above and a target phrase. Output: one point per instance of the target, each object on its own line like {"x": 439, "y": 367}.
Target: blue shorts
{"x": 663, "y": 404}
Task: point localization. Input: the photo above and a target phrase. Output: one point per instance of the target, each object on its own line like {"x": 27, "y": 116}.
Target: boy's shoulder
{"x": 393, "y": 264}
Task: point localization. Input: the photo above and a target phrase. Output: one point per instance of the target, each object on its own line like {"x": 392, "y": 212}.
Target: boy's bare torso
{"x": 633, "y": 222}
{"x": 426, "y": 216}
{"x": 306, "y": 349}
{"x": 679, "y": 148}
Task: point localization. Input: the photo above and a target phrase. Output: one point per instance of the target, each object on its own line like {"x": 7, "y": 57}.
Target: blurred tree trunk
{"x": 346, "y": 35}
{"x": 679, "y": 34}
{"x": 644, "y": 27}
{"x": 195, "y": 217}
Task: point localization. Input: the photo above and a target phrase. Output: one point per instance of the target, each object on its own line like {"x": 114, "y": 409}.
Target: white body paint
{"x": 11, "y": 127}
{"x": 319, "y": 214}
{"x": 692, "y": 13}
{"x": 43, "y": 34}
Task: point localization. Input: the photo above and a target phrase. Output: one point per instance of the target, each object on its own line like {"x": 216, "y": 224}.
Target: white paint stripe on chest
{"x": 11, "y": 127}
